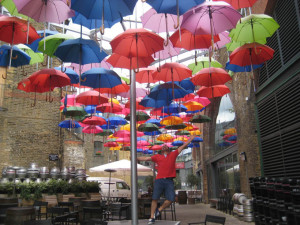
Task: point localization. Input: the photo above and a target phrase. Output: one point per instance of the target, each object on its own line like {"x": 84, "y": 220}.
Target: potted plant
{"x": 192, "y": 180}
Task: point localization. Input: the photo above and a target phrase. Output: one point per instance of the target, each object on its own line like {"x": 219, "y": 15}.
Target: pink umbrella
{"x": 84, "y": 68}
{"x": 213, "y": 91}
{"x": 140, "y": 92}
{"x": 92, "y": 129}
{"x": 202, "y": 100}
{"x": 142, "y": 143}
{"x": 55, "y": 11}
{"x": 238, "y": 4}
{"x": 145, "y": 75}
{"x": 160, "y": 22}
{"x": 210, "y": 18}
{"x": 224, "y": 39}
{"x": 94, "y": 120}
{"x": 70, "y": 100}
{"x": 104, "y": 64}
{"x": 122, "y": 133}
{"x": 168, "y": 51}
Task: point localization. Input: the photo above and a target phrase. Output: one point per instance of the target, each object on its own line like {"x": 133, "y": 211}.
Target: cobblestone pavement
{"x": 196, "y": 213}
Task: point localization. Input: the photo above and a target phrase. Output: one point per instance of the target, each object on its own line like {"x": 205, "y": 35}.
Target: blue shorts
{"x": 164, "y": 186}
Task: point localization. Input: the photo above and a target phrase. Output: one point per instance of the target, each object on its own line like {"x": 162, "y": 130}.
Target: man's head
{"x": 165, "y": 148}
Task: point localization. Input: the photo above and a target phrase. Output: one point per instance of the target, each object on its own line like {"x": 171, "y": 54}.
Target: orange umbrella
{"x": 230, "y": 131}
{"x": 165, "y": 137}
{"x": 171, "y": 120}
{"x": 193, "y": 106}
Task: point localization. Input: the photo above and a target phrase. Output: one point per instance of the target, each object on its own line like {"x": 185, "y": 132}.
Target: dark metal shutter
{"x": 279, "y": 124}
{"x": 286, "y": 40}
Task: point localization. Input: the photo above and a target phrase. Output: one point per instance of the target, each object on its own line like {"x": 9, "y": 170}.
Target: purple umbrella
{"x": 169, "y": 51}
{"x": 210, "y": 18}
{"x": 54, "y": 11}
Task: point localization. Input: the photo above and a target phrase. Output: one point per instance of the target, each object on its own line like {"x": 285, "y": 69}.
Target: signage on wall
{"x": 53, "y": 157}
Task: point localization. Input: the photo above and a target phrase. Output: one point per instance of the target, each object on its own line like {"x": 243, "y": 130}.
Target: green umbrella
{"x": 203, "y": 62}
{"x": 12, "y": 9}
{"x": 140, "y": 116}
{"x": 200, "y": 119}
{"x": 126, "y": 80}
{"x": 75, "y": 111}
{"x": 50, "y": 43}
{"x": 111, "y": 140}
{"x": 182, "y": 133}
{"x": 254, "y": 28}
{"x": 35, "y": 56}
{"x": 158, "y": 142}
{"x": 148, "y": 127}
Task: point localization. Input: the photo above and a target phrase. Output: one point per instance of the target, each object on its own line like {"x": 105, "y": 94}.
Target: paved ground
{"x": 197, "y": 212}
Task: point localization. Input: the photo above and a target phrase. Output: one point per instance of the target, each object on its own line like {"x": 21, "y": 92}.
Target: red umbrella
{"x": 91, "y": 98}
{"x": 238, "y": 4}
{"x": 251, "y": 54}
{"x": 211, "y": 76}
{"x": 138, "y": 106}
{"x": 14, "y": 31}
{"x": 185, "y": 98}
{"x": 145, "y": 75}
{"x": 172, "y": 72}
{"x": 109, "y": 108}
{"x": 115, "y": 90}
{"x": 122, "y": 133}
{"x": 156, "y": 147}
{"x": 137, "y": 43}
{"x": 111, "y": 144}
{"x": 213, "y": 91}
{"x": 94, "y": 120}
{"x": 26, "y": 85}
{"x": 190, "y": 41}
{"x": 92, "y": 129}
{"x": 120, "y": 61}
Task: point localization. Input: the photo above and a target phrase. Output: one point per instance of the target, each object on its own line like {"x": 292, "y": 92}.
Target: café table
{"x": 17, "y": 215}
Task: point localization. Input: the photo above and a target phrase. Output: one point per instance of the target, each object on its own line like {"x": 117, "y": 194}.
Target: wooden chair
{"x": 211, "y": 219}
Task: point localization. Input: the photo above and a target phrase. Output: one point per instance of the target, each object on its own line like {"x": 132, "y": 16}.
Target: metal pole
{"x": 133, "y": 151}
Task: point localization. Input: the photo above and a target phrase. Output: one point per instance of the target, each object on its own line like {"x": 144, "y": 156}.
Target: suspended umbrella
{"x": 138, "y": 106}
{"x": 140, "y": 116}
{"x": 175, "y": 127}
{"x": 172, "y": 72}
{"x": 148, "y": 127}
{"x": 75, "y": 111}
{"x": 126, "y": 127}
{"x": 203, "y": 62}
{"x": 171, "y": 120}
{"x": 109, "y": 108}
{"x": 105, "y": 132}
{"x": 154, "y": 121}
{"x": 237, "y": 68}
{"x": 140, "y": 93}
{"x": 42, "y": 33}
{"x": 92, "y": 129}
{"x": 156, "y": 147}
{"x": 105, "y": 10}
{"x": 177, "y": 8}
{"x": 116, "y": 90}
{"x": 69, "y": 124}
{"x": 239, "y": 4}
{"x": 230, "y": 131}
{"x": 12, "y": 9}
{"x": 174, "y": 108}
{"x": 91, "y": 109}
{"x": 145, "y": 75}
{"x": 187, "y": 97}
{"x": 54, "y": 11}
{"x": 187, "y": 85}
{"x": 116, "y": 120}
{"x": 91, "y": 98}
{"x": 169, "y": 51}
{"x": 34, "y": 56}
{"x": 193, "y": 106}
{"x": 213, "y": 91}
{"x": 182, "y": 138}
{"x": 224, "y": 39}
{"x": 70, "y": 73}
{"x": 177, "y": 143}
{"x": 202, "y": 100}
{"x": 182, "y": 133}
{"x": 18, "y": 57}
{"x": 200, "y": 119}
{"x": 122, "y": 133}
{"x": 94, "y": 120}
{"x": 210, "y": 77}
{"x": 77, "y": 68}
{"x": 195, "y": 132}
{"x": 254, "y": 28}
{"x": 49, "y": 44}
{"x": 159, "y": 22}
{"x": 165, "y": 137}
{"x": 197, "y": 139}
{"x": 111, "y": 144}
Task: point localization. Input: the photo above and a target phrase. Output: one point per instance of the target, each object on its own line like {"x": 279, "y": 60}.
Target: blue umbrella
{"x": 34, "y": 45}
{"x": 174, "y": 108}
{"x": 69, "y": 124}
{"x": 91, "y": 109}
{"x": 19, "y": 57}
{"x": 177, "y": 143}
{"x": 197, "y": 139}
{"x": 236, "y": 68}
{"x": 100, "y": 78}
{"x": 187, "y": 84}
{"x": 80, "y": 51}
{"x": 92, "y": 23}
{"x": 166, "y": 90}
{"x": 153, "y": 133}
{"x": 116, "y": 120}
{"x": 232, "y": 138}
{"x": 70, "y": 73}
{"x": 109, "y": 126}
{"x": 154, "y": 121}
{"x": 153, "y": 103}
{"x": 109, "y": 10}
{"x": 224, "y": 144}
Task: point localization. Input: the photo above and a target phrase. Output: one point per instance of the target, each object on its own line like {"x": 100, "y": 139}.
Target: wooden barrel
{"x": 6, "y": 203}
{"x": 191, "y": 201}
{"x": 17, "y": 215}
{"x": 182, "y": 197}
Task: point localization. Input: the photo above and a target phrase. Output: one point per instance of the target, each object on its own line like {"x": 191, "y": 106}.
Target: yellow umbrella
{"x": 195, "y": 132}
{"x": 193, "y": 106}
{"x": 181, "y": 138}
{"x": 171, "y": 120}
{"x": 127, "y": 127}
{"x": 230, "y": 131}
{"x": 115, "y": 148}
{"x": 164, "y": 137}
{"x": 188, "y": 127}
{"x": 113, "y": 100}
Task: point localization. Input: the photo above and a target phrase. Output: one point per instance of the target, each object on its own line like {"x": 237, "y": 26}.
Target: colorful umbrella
{"x": 75, "y": 111}
{"x": 193, "y": 106}
{"x": 100, "y": 78}
{"x": 165, "y": 137}
{"x": 174, "y": 108}
{"x": 175, "y": 127}
{"x": 69, "y": 124}
{"x": 239, "y": 4}
{"x": 145, "y": 75}
{"x": 148, "y": 127}
{"x": 210, "y": 77}
{"x": 251, "y": 54}
{"x": 35, "y": 57}
{"x": 168, "y": 51}
{"x": 203, "y": 62}
{"x": 140, "y": 93}
{"x": 187, "y": 84}
{"x": 254, "y": 28}
{"x": 91, "y": 98}
{"x": 213, "y": 91}
{"x": 171, "y": 120}
{"x": 138, "y": 106}
{"x": 92, "y": 129}
{"x": 202, "y": 100}
{"x": 237, "y": 68}
{"x": 109, "y": 108}
{"x": 200, "y": 119}
{"x": 130, "y": 63}
{"x": 172, "y": 72}
{"x": 116, "y": 120}
{"x": 70, "y": 73}
{"x": 230, "y": 131}
{"x": 18, "y": 57}
{"x": 94, "y": 120}
{"x": 12, "y": 9}
{"x": 140, "y": 116}
{"x": 54, "y": 11}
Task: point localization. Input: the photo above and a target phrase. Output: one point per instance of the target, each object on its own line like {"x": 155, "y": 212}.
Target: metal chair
{"x": 41, "y": 209}
{"x": 92, "y": 213}
{"x": 38, "y": 222}
{"x": 171, "y": 209}
{"x": 211, "y": 219}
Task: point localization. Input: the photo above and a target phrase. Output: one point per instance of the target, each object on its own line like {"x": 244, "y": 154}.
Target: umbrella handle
{"x": 24, "y": 73}
{"x": 166, "y": 42}
{"x": 83, "y": 80}
{"x": 34, "y": 102}
{"x": 158, "y": 69}
{"x": 63, "y": 69}
{"x": 4, "y": 77}
{"x": 102, "y": 29}
{"x": 178, "y": 22}
{"x": 14, "y": 57}
{"x": 136, "y": 70}
{"x": 196, "y": 63}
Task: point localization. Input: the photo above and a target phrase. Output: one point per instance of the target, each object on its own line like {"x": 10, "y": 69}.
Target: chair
{"x": 171, "y": 209}
{"x": 38, "y": 222}
{"x": 90, "y": 203}
{"x": 41, "y": 209}
{"x": 61, "y": 220}
{"x": 211, "y": 219}
{"x": 118, "y": 212}
{"x": 92, "y": 213}
{"x": 69, "y": 205}
{"x": 57, "y": 211}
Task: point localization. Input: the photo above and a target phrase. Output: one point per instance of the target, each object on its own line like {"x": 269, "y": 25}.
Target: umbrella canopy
{"x": 164, "y": 91}
{"x": 94, "y": 120}
{"x": 70, "y": 73}
{"x": 100, "y": 78}
{"x": 140, "y": 92}
{"x": 254, "y": 28}
{"x": 172, "y": 72}
{"x": 120, "y": 165}
{"x": 168, "y": 51}
{"x": 193, "y": 106}
{"x": 140, "y": 116}
{"x": 54, "y": 11}
{"x": 237, "y": 68}
{"x": 187, "y": 84}
{"x": 203, "y": 62}
{"x": 109, "y": 108}
{"x": 145, "y": 75}
{"x": 12, "y": 31}
{"x": 137, "y": 43}
{"x": 12, "y": 9}
{"x": 91, "y": 98}
{"x": 75, "y": 111}
{"x": 174, "y": 108}
{"x": 213, "y": 91}
{"x": 211, "y": 76}
{"x": 18, "y": 56}
{"x": 80, "y": 51}
{"x": 171, "y": 120}
{"x": 200, "y": 119}
{"x": 239, "y": 4}
{"x": 121, "y": 61}
{"x": 148, "y": 127}
{"x": 69, "y": 124}
{"x": 116, "y": 120}
{"x": 92, "y": 129}
{"x": 35, "y": 57}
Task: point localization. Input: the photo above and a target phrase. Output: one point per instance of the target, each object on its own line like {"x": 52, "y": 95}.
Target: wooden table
{"x": 17, "y": 215}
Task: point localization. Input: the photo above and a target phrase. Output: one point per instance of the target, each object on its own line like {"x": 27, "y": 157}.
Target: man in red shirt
{"x": 164, "y": 180}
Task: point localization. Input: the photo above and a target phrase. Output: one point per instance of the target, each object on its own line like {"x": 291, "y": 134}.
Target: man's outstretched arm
{"x": 144, "y": 158}
{"x": 186, "y": 143}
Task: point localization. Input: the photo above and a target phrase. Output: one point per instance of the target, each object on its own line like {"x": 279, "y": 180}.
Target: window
{"x": 98, "y": 148}
{"x": 122, "y": 185}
